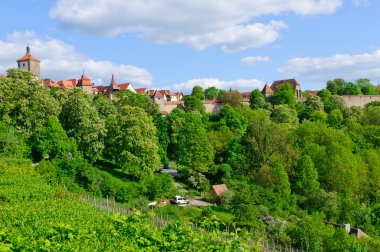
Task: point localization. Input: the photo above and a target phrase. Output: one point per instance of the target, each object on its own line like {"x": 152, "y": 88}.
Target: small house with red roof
{"x": 218, "y": 191}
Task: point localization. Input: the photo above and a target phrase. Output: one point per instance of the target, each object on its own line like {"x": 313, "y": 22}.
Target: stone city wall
{"x": 354, "y": 100}
{"x": 214, "y": 107}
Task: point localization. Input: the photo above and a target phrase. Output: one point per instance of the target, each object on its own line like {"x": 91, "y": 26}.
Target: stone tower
{"x": 85, "y": 84}
{"x": 29, "y": 63}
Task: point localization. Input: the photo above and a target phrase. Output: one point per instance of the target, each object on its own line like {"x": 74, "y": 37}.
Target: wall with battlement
{"x": 214, "y": 107}
{"x": 360, "y": 100}
{"x": 354, "y": 100}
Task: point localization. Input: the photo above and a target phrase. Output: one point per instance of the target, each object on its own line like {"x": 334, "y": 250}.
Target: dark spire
{"x": 27, "y": 49}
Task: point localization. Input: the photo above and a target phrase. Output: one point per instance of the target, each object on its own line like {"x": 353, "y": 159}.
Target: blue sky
{"x": 176, "y": 44}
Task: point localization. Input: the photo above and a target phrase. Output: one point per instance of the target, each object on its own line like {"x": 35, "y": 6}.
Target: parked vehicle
{"x": 179, "y": 200}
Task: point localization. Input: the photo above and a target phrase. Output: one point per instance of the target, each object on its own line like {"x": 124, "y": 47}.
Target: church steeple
{"x": 113, "y": 81}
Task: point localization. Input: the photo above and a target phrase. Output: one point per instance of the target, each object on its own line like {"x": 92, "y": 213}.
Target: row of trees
{"x": 361, "y": 86}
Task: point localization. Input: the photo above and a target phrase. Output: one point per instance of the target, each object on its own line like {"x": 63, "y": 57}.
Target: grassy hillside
{"x": 36, "y": 216}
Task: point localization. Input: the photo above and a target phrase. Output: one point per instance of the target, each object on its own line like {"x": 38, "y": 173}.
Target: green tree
{"x": 314, "y": 102}
{"x": 352, "y": 89}
{"x": 331, "y": 152}
{"x": 129, "y": 98}
{"x": 320, "y": 116}
{"x": 211, "y": 93}
{"x": 82, "y": 122}
{"x": 194, "y": 103}
{"x": 371, "y": 115}
{"x": 198, "y": 92}
{"x": 335, "y": 118}
{"x": 366, "y": 86}
{"x": 132, "y": 142}
{"x": 324, "y": 94}
{"x": 266, "y": 140}
{"x": 104, "y": 106}
{"x": 336, "y": 102}
{"x": 11, "y": 143}
{"x": 220, "y": 139}
{"x": 162, "y": 134}
{"x": 336, "y": 86}
{"x": 233, "y": 98}
{"x": 281, "y": 180}
{"x": 257, "y": 99}
{"x": 54, "y": 142}
{"x": 25, "y": 103}
{"x": 233, "y": 119}
{"x": 372, "y": 158}
{"x": 284, "y": 94}
{"x": 307, "y": 184}
{"x": 193, "y": 149}
{"x": 310, "y": 233}
{"x": 284, "y": 114}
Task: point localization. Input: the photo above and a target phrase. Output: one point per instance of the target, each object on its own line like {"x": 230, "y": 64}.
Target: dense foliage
{"x": 290, "y": 168}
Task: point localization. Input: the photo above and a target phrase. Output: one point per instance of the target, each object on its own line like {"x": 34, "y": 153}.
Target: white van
{"x": 179, "y": 200}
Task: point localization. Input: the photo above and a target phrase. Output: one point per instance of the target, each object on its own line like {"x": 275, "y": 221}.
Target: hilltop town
{"x": 166, "y": 99}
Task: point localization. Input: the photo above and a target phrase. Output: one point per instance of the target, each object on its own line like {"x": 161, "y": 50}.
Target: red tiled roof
{"x": 312, "y": 92}
{"x": 68, "y": 84}
{"x": 124, "y": 86}
{"x": 49, "y": 83}
{"x": 151, "y": 93}
{"x": 158, "y": 93}
{"x": 28, "y": 56}
{"x": 141, "y": 90}
{"x": 267, "y": 90}
{"x": 219, "y": 189}
{"x": 84, "y": 81}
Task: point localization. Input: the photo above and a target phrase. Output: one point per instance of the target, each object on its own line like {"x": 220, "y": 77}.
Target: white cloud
{"x": 346, "y": 66}
{"x": 252, "y": 60}
{"x": 60, "y": 60}
{"x": 241, "y": 85}
{"x": 197, "y": 23}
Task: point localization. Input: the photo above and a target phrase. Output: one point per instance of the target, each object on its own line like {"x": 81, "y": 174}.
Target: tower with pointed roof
{"x": 29, "y": 63}
{"x": 85, "y": 84}
{"x": 113, "y": 81}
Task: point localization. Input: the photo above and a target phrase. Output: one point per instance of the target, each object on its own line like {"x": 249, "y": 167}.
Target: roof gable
{"x": 277, "y": 83}
{"x": 267, "y": 90}
{"x": 219, "y": 189}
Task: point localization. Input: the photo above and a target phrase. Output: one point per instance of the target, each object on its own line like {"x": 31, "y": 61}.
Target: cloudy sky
{"x": 176, "y": 44}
